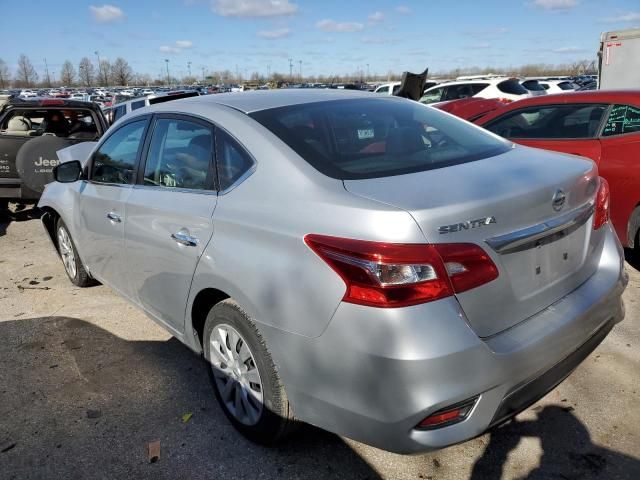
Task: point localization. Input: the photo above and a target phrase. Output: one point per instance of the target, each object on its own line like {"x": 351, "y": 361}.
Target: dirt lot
{"x": 87, "y": 381}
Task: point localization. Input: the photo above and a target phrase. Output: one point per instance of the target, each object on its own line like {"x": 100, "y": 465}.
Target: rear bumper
{"x": 374, "y": 374}
{"x": 12, "y": 188}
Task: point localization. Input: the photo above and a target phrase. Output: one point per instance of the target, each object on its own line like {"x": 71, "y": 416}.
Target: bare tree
{"x": 121, "y": 72}
{"x": 86, "y": 72}
{"x": 5, "y": 75}
{"x": 26, "y": 74}
{"x": 104, "y": 72}
{"x": 67, "y": 73}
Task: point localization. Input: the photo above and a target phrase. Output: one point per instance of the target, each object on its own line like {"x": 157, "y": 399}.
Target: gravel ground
{"x": 87, "y": 382}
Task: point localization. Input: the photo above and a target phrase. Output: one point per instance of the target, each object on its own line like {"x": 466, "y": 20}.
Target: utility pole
{"x": 46, "y": 69}
{"x": 290, "y": 69}
{"x": 203, "y": 75}
{"x": 368, "y": 76}
{"x": 189, "y": 67}
{"x": 166, "y": 61}
{"x": 99, "y": 66}
{"x": 268, "y": 72}
{"x": 300, "y": 69}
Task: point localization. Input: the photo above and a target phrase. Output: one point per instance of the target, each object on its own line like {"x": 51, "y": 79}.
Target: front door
{"x": 102, "y": 216}
{"x": 169, "y": 216}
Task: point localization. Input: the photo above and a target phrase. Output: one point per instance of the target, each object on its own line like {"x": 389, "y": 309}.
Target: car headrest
{"x": 19, "y": 124}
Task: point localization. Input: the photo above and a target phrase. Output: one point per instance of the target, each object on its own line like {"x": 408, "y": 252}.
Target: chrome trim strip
{"x": 531, "y": 235}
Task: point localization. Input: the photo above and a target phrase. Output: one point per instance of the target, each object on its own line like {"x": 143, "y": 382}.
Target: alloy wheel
{"x": 66, "y": 252}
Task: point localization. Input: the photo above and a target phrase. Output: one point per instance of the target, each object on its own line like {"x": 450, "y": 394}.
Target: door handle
{"x": 114, "y": 217}
{"x": 185, "y": 239}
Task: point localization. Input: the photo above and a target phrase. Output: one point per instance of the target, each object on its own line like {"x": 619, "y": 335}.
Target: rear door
{"x": 566, "y": 128}
{"x": 100, "y": 225}
{"x": 169, "y": 215}
{"x": 620, "y": 164}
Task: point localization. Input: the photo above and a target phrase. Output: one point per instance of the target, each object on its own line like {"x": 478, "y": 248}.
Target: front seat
{"x": 55, "y": 123}
{"x": 20, "y": 126}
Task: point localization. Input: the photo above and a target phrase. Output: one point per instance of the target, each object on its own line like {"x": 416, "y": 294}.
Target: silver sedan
{"x": 364, "y": 263}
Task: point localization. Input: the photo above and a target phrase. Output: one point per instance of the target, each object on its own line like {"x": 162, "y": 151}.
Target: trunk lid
{"x": 505, "y": 204}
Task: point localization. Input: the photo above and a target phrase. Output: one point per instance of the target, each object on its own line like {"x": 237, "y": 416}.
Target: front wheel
{"x": 244, "y": 377}
{"x": 70, "y": 258}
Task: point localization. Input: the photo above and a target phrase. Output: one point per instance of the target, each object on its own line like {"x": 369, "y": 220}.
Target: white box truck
{"x": 619, "y": 59}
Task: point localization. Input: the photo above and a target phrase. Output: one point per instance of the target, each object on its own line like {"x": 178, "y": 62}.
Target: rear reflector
{"x": 448, "y": 416}
{"x": 388, "y": 275}
{"x": 602, "y": 207}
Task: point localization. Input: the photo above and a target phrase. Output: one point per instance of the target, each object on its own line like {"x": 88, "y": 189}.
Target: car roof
{"x": 589, "y": 96}
{"x": 55, "y": 103}
{"x": 476, "y": 80}
{"x": 256, "y": 100}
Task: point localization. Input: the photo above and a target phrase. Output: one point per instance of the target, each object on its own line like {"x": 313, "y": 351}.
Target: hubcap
{"x": 66, "y": 252}
{"x": 236, "y": 374}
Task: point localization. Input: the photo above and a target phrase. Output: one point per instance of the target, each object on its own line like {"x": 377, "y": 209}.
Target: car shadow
{"x": 567, "y": 450}
{"x": 632, "y": 256}
{"x": 20, "y": 213}
{"x": 77, "y": 401}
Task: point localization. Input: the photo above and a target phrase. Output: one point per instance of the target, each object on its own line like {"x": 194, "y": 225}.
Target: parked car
{"x": 388, "y": 88}
{"x": 507, "y": 89}
{"x": 558, "y": 86}
{"x": 120, "y": 109}
{"x": 601, "y": 125}
{"x": 364, "y": 263}
{"x": 31, "y": 131}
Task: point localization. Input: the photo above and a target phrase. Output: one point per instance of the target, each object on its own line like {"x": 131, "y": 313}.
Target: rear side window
{"x": 455, "y": 92}
{"x": 566, "y": 86}
{"x": 512, "y": 87}
{"x": 432, "y": 96}
{"x": 180, "y": 155}
{"x": 137, "y": 104}
{"x": 555, "y": 121}
{"x": 369, "y": 138}
{"x": 115, "y": 160}
{"x": 119, "y": 112}
{"x": 533, "y": 86}
{"x": 232, "y": 161}
{"x": 384, "y": 89}
{"x": 622, "y": 119}
{"x": 478, "y": 87}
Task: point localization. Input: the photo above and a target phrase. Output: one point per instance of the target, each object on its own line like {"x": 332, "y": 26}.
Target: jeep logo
{"x": 43, "y": 162}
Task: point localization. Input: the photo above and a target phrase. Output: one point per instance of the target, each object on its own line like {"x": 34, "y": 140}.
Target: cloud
{"x": 555, "y": 4}
{"x": 274, "y": 34}
{"x": 106, "y": 13}
{"x": 626, "y": 17}
{"x": 169, "y": 49}
{"x": 379, "y": 41}
{"x": 376, "y": 17}
{"x": 403, "y": 9}
{"x": 177, "y": 47}
{"x": 569, "y": 50}
{"x": 253, "y": 8}
{"x": 329, "y": 25}
{"x": 479, "y": 46}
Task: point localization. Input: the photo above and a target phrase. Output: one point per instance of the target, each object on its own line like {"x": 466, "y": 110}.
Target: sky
{"x": 328, "y": 37}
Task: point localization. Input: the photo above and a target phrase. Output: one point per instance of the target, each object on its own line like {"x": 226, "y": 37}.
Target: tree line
{"x": 120, "y": 73}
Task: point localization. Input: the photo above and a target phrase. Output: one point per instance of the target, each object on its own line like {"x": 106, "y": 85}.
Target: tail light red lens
{"x": 448, "y": 416}
{"x": 388, "y": 275}
{"x": 602, "y": 207}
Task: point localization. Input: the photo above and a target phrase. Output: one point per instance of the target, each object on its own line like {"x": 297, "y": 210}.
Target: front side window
{"x": 455, "y": 92}
{"x": 232, "y": 161}
{"x": 548, "y": 122}
{"x": 384, "y": 89}
{"x": 622, "y": 119}
{"x": 371, "y": 138}
{"x": 180, "y": 155}
{"x": 432, "y": 96}
{"x": 115, "y": 160}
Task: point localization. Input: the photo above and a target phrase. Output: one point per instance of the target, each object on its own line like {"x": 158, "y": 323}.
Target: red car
{"x": 601, "y": 125}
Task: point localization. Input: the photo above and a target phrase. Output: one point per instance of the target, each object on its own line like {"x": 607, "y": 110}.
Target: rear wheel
{"x": 244, "y": 377}
{"x": 70, "y": 258}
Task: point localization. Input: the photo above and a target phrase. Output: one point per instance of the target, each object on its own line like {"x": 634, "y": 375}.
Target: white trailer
{"x": 619, "y": 59}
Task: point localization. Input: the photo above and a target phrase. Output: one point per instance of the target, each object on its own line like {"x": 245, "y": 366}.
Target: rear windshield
{"x": 376, "y": 137}
{"x": 533, "y": 86}
{"x": 512, "y": 87}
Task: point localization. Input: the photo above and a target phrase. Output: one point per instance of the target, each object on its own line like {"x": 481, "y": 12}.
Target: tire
{"x": 264, "y": 421}
{"x": 35, "y": 161}
{"x": 70, "y": 258}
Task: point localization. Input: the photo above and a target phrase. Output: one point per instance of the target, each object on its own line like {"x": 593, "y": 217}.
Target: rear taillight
{"x": 448, "y": 416}
{"x": 387, "y": 275}
{"x": 602, "y": 207}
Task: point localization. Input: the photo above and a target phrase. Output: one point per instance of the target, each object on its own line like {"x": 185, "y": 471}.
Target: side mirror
{"x": 68, "y": 172}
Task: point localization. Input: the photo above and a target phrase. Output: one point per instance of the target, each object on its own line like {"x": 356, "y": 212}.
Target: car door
{"x": 620, "y": 164}
{"x": 111, "y": 175}
{"x": 169, "y": 215}
{"x": 567, "y": 128}
{"x": 433, "y": 95}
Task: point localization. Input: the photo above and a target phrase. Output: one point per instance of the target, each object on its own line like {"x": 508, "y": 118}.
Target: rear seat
{"x": 19, "y": 126}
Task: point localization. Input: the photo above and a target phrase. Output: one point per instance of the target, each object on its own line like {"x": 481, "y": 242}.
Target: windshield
{"x": 369, "y": 138}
